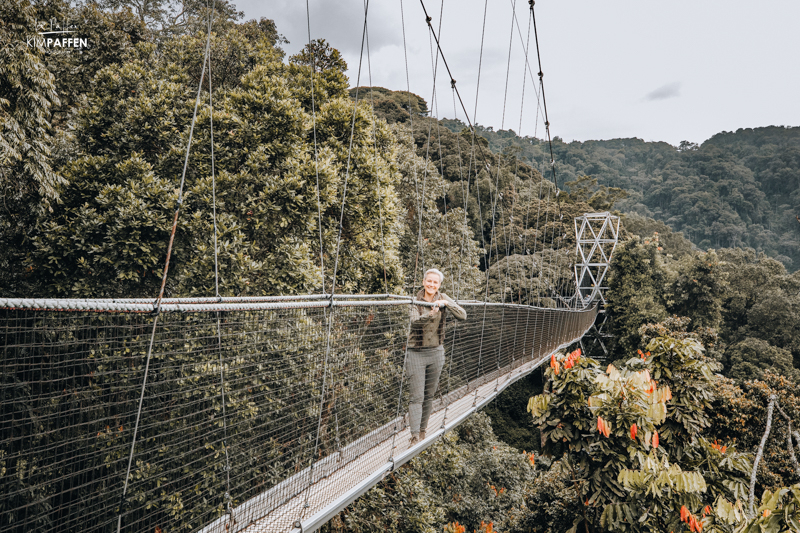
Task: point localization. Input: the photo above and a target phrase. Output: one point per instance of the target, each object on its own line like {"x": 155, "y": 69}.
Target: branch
{"x": 760, "y": 453}
{"x": 789, "y": 438}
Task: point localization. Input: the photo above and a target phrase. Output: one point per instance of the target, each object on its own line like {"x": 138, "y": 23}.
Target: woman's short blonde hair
{"x": 435, "y": 271}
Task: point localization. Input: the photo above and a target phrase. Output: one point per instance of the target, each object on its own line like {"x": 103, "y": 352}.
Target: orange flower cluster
{"x": 530, "y": 457}
{"x": 572, "y": 359}
{"x": 644, "y": 355}
{"x": 454, "y": 527}
{"x": 706, "y": 510}
{"x": 719, "y": 447}
{"x": 633, "y": 432}
{"x": 496, "y": 492}
{"x": 487, "y": 528}
{"x": 766, "y": 513}
{"x": 694, "y": 524}
{"x": 655, "y": 439}
{"x": 602, "y": 426}
{"x": 569, "y": 362}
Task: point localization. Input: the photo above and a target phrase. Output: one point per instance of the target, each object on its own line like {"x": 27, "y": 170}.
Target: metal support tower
{"x": 597, "y": 235}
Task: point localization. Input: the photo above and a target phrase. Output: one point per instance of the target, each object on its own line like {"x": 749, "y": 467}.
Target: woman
{"x": 426, "y": 351}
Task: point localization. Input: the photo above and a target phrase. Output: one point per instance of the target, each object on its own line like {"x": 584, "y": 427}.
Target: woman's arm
{"x": 416, "y": 316}
{"x": 458, "y": 312}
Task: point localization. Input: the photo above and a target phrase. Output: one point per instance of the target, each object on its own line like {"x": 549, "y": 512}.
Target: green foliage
{"x": 174, "y": 17}
{"x": 697, "y": 290}
{"x": 738, "y": 415}
{"x": 29, "y": 185}
{"x": 632, "y": 439}
{"x": 749, "y": 358}
{"x": 635, "y": 293}
{"x": 109, "y": 235}
{"x": 510, "y": 421}
{"x": 736, "y": 189}
{"x": 779, "y": 512}
{"x": 673, "y": 243}
{"x": 27, "y": 95}
{"x": 600, "y": 197}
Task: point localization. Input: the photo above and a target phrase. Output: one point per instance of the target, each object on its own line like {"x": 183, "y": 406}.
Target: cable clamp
{"x": 452, "y": 83}
{"x": 428, "y": 19}
{"x": 298, "y": 525}
{"x": 541, "y": 74}
{"x": 531, "y": 2}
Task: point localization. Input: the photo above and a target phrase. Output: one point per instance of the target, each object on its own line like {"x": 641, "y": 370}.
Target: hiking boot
{"x": 414, "y": 439}
{"x": 422, "y": 435}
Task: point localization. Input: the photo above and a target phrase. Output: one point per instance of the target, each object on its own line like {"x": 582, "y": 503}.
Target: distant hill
{"x": 736, "y": 189}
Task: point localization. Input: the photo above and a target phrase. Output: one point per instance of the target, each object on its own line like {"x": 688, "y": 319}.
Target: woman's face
{"x": 432, "y": 283}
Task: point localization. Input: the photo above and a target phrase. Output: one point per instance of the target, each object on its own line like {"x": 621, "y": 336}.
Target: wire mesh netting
{"x": 71, "y": 385}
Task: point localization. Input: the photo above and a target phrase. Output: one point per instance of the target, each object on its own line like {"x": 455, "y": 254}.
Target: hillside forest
{"x": 653, "y": 423}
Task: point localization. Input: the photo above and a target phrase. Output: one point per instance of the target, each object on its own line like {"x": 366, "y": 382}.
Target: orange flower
{"x": 572, "y": 359}
{"x": 655, "y": 439}
{"x": 766, "y": 513}
{"x": 706, "y": 510}
{"x": 454, "y": 527}
{"x": 555, "y": 365}
{"x": 633, "y": 432}
{"x": 641, "y": 354}
{"x": 487, "y": 528}
{"x": 684, "y": 513}
{"x": 602, "y": 426}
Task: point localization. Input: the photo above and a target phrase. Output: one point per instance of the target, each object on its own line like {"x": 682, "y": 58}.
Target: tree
{"x": 631, "y": 439}
{"x": 321, "y": 55}
{"x": 697, "y": 291}
{"x": 29, "y": 186}
{"x": 635, "y": 296}
{"x": 109, "y": 235}
{"x": 174, "y": 17}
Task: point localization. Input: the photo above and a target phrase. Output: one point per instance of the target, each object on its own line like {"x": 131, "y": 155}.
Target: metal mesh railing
{"x": 70, "y": 385}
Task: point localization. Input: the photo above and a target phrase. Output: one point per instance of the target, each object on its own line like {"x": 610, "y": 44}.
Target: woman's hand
{"x": 436, "y": 305}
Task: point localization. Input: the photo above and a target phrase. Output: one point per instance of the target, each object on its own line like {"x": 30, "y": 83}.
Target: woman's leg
{"x": 433, "y": 369}
{"x": 415, "y": 368}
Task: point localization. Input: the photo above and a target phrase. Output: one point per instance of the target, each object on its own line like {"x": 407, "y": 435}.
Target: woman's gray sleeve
{"x": 458, "y": 312}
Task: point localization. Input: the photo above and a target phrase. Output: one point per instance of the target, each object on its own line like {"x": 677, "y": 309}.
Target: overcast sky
{"x": 660, "y": 71}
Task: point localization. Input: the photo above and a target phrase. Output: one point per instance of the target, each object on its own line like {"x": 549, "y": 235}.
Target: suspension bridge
{"x": 258, "y": 414}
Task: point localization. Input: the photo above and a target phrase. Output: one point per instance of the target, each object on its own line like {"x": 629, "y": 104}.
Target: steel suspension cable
{"x": 227, "y": 496}
{"x": 164, "y": 277}
{"x": 338, "y": 248}
{"x": 377, "y": 174}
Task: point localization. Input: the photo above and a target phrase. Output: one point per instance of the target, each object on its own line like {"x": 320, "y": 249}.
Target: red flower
{"x": 555, "y": 365}
{"x": 602, "y": 426}
{"x": 633, "y": 432}
{"x": 684, "y": 513}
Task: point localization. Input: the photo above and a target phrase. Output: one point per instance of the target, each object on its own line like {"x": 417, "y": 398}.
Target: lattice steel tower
{"x": 597, "y": 235}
